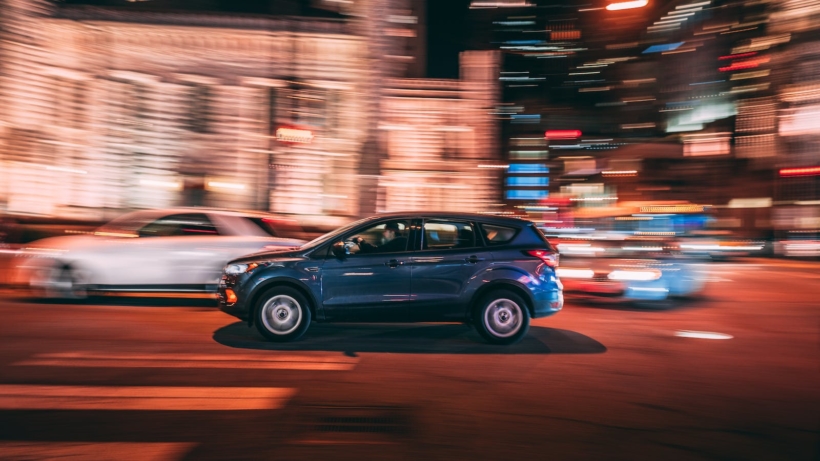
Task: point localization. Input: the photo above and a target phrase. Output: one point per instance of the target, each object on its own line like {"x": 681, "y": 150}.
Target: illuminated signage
{"x": 294, "y": 135}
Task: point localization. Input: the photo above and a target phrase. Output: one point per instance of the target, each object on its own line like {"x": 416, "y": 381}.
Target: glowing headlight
{"x": 234, "y": 269}
{"x": 640, "y": 276}
{"x": 568, "y": 273}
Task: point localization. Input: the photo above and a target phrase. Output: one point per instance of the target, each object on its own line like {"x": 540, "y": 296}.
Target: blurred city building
{"x": 121, "y": 106}
{"x": 704, "y": 102}
{"x": 437, "y": 135}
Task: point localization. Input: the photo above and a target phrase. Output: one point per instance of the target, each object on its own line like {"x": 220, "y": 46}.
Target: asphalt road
{"x": 150, "y": 379}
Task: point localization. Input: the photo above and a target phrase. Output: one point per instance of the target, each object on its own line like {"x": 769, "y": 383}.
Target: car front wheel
{"x": 58, "y": 282}
{"x": 501, "y": 317}
{"x": 282, "y": 314}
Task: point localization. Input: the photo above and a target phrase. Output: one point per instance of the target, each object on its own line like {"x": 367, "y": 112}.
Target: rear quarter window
{"x": 497, "y": 235}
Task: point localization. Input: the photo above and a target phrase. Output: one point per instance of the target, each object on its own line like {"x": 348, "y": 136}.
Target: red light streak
{"x": 808, "y": 171}
{"x": 562, "y": 134}
{"x": 738, "y": 56}
{"x": 749, "y": 64}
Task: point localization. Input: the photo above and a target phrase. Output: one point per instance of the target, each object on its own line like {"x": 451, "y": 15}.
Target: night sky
{"x": 448, "y": 33}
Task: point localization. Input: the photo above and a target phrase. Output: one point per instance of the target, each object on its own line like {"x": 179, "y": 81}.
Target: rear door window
{"x": 445, "y": 235}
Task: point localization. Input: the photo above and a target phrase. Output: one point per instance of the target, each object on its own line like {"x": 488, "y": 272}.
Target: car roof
{"x": 485, "y": 218}
{"x": 208, "y": 210}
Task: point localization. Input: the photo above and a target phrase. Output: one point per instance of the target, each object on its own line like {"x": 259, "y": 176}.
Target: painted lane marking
{"x": 702, "y": 334}
{"x": 81, "y": 451}
{"x": 154, "y": 398}
{"x": 92, "y": 359}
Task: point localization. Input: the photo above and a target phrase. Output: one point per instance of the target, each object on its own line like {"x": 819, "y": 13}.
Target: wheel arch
{"x": 510, "y": 285}
{"x": 281, "y": 282}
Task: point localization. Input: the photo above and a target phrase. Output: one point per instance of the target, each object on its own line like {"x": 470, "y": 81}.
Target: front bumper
{"x": 605, "y": 289}
{"x": 655, "y": 290}
{"x": 236, "y": 308}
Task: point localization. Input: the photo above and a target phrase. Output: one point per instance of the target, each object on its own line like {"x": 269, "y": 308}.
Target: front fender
{"x": 308, "y": 283}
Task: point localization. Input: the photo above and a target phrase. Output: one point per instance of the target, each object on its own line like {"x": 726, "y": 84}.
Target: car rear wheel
{"x": 501, "y": 317}
{"x": 282, "y": 314}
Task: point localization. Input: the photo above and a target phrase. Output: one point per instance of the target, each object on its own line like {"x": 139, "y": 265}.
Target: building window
{"x": 272, "y": 103}
{"x": 69, "y": 102}
{"x": 199, "y": 105}
{"x": 309, "y": 107}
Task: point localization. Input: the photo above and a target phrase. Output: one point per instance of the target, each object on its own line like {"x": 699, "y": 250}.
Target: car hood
{"x": 284, "y": 254}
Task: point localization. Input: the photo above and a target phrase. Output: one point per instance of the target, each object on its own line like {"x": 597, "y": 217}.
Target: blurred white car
{"x": 628, "y": 269}
{"x": 719, "y": 245}
{"x": 152, "y": 251}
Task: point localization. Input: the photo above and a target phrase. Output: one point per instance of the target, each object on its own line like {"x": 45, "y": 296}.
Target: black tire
{"x": 282, "y": 314}
{"x": 502, "y": 317}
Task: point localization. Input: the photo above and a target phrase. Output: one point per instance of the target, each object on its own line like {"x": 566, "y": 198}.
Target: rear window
{"x": 497, "y": 235}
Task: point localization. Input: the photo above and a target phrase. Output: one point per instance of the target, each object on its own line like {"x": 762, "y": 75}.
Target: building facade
{"x": 106, "y": 110}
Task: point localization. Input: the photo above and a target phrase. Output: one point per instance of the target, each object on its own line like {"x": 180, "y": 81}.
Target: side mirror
{"x": 338, "y": 249}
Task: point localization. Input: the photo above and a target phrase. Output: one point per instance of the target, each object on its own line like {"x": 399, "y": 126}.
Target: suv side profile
{"x": 493, "y": 272}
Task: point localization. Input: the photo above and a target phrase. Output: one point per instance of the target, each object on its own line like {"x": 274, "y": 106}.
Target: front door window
{"x": 372, "y": 278}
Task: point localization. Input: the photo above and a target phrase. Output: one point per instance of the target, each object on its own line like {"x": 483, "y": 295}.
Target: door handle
{"x": 473, "y": 259}
{"x": 393, "y": 263}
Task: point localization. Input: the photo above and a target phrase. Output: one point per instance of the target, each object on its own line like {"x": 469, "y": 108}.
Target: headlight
{"x": 641, "y": 276}
{"x": 570, "y": 273}
{"x": 234, "y": 269}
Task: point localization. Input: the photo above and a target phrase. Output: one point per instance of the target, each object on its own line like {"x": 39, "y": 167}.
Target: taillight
{"x": 550, "y": 258}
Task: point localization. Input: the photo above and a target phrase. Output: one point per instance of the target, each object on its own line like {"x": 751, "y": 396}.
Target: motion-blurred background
{"x": 684, "y": 117}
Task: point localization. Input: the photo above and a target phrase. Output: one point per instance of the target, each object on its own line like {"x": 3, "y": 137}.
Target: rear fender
{"x": 513, "y": 279}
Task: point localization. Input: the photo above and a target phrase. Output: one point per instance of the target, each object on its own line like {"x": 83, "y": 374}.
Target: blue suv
{"x": 494, "y": 272}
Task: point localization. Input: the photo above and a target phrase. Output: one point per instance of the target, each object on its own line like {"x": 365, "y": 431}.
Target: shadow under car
{"x": 418, "y": 338}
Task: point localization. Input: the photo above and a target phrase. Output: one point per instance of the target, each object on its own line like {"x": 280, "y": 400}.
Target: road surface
{"x": 733, "y": 375}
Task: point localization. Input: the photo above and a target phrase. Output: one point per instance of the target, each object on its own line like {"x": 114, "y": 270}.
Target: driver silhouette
{"x": 392, "y": 241}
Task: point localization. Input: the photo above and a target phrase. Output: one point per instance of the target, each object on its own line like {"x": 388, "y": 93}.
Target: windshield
{"x": 333, "y": 234}
{"x": 126, "y": 224}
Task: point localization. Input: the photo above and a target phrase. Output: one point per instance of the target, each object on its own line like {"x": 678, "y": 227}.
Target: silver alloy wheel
{"x": 281, "y": 314}
{"x": 503, "y": 318}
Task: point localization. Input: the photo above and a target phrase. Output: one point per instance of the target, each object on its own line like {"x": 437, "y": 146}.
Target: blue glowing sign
{"x": 527, "y": 168}
{"x": 528, "y": 181}
{"x": 519, "y": 194}
{"x": 662, "y": 48}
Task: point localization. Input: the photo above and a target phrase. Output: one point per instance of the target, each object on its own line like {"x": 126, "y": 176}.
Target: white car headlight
{"x": 570, "y": 273}
{"x": 635, "y": 275}
{"x": 234, "y": 269}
